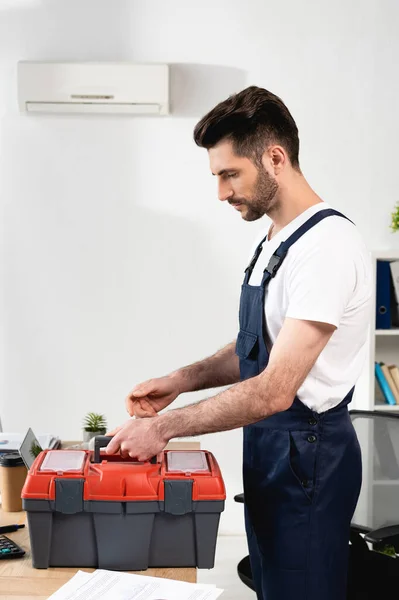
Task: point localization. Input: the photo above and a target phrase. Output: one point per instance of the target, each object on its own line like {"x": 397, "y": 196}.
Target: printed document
{"x": 114, "y": 585}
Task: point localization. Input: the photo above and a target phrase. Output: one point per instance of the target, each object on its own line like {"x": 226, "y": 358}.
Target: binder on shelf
{"x": 394, "y": 268}
{"x": 383, "y": 383}
{"x": 387, "y": 308}
{"x": 383, "y": 295}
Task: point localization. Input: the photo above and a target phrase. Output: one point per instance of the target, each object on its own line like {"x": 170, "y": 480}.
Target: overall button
{"x": 305, "y": 482}
{"x": 312, "y": 439}
{"x": 312, "y": 421}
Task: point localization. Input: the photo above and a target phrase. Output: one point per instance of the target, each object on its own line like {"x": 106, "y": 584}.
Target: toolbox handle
{"x": 100, "y": 441}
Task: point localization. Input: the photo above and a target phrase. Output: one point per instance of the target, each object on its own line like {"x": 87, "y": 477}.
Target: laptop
{"x": 30, "y": 448}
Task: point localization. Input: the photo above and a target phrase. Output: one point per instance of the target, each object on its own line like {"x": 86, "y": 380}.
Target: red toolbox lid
{"x": 114, "y": 478}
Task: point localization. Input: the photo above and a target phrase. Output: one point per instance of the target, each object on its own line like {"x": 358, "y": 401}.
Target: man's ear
{"x": 274, "y": 159}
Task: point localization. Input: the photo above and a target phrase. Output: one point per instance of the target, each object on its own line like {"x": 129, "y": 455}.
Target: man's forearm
{"x": 254, "y": 399}
{"x": 272, "y": 391}
{"x": 242, "y": 404}
{"x": 218, "y": 370}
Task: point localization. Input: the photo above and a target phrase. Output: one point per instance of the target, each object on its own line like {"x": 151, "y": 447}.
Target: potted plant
{"x": 395, "y": 218}
{"x": 93, "y": 424}
{"x": 35, "y": 449}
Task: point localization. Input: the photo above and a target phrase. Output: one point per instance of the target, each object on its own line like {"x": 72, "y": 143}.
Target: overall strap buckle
{"x": 275, "y": 263}
{"x": 253, "y": 262}
{"x": 255, "y": 257}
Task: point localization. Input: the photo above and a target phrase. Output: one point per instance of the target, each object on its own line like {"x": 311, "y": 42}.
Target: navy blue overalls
{"x": 301, "y": 470}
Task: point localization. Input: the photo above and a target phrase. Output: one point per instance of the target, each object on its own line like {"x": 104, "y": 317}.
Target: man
{"x": 304, "y": 316}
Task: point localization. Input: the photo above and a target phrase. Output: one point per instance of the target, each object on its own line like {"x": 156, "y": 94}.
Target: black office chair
{"x": 374, "y": 536}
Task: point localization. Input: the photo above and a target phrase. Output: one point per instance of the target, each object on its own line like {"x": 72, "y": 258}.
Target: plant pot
{"x": 88, "y": 435}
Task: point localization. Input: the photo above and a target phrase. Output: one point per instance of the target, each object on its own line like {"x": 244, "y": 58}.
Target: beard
{"x": 263, "y": 197}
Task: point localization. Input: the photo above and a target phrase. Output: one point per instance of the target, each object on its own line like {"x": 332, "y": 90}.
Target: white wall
{"x": 118, "y": 262}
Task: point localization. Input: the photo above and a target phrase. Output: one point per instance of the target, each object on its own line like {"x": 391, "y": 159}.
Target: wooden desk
{"x": 19, "y": 581}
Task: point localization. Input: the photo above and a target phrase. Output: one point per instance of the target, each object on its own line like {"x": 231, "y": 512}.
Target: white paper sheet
{"x": 113, "y": 585}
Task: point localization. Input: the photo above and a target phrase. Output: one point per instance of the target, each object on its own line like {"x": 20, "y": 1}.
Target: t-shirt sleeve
{"x": 320, "y": 283}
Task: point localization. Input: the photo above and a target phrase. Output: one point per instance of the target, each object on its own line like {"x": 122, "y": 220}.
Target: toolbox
{"x": 89, "y": 509}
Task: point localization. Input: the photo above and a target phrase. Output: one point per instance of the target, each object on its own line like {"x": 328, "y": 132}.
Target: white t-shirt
{"x": 327, "y": 277}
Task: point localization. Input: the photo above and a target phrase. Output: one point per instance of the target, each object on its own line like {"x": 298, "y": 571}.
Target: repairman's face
{"x": 249, "y": 189}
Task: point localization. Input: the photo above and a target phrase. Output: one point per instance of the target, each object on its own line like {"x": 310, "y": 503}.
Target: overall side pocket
{"x": 303, "y": 452}
{"x": 247, "y": 349}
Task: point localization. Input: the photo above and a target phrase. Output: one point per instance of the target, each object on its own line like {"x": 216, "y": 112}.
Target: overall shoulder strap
{"x": 255, "y": 257}
{"x": 281, "y": 252}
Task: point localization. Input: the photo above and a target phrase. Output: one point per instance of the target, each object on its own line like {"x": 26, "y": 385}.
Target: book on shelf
{"x": 394, "y": 370}
{"x": 386, "y": 383}
{"x": 388, "y": 376}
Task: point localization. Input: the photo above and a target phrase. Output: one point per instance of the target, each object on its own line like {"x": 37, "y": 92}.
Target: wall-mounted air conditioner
{"x": 92, "y": 87}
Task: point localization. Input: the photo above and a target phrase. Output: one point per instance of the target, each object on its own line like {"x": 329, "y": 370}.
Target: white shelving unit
{"x": 384, "y": 343}
{"x": 378, "y": 502}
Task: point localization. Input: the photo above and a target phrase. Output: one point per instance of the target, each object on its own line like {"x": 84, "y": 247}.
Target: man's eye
{"x": 232, "y": 175}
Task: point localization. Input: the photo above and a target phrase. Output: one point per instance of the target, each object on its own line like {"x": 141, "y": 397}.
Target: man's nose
{"x": 224, "y": 192}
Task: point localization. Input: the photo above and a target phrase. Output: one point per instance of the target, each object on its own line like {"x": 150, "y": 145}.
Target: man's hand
{"x": 152, "y": 396}
{"x": 137, "y": 438}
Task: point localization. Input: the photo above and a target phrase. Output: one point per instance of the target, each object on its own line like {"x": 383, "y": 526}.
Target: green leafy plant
{"x": 387, "y": 549}
{"x": 95, "y": 422}
{"x": 395, "y": 218}
{"x": 35, "y": 449}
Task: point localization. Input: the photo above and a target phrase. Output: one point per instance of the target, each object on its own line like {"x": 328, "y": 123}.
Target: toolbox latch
{"x": 69, "y": 496}
{"x": 178, "y": 496}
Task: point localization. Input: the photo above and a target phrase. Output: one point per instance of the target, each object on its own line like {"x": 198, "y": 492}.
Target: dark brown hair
{"x": 252, "y": 119}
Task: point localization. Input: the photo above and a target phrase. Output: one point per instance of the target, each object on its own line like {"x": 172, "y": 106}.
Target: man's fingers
{"x": 143, "y": 409}
{"x": 141, "y": 390}
{"x": 124, "y": 453}
{"x": 129, "y": 403}
{"x": 140, "y": 408}
{"x": 144, "y": 414}
{"x": 113, "y": 446}
{"x": 113, "y": 432}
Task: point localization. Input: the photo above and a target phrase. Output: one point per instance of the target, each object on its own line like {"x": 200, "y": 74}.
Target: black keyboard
{"x": 9, "y": 549}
